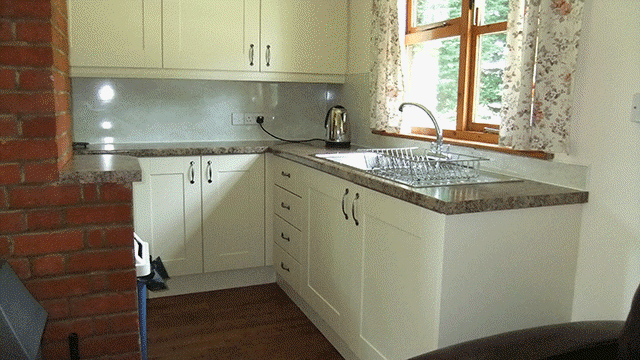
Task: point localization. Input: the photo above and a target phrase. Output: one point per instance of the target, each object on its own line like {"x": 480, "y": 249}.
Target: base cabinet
{"x": 394, "y": 280}
{"x": 202, "y": 214}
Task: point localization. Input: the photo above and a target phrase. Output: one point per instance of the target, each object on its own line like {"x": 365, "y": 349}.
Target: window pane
{"x": 433, "y": 81}
{"x": 489, "y": 78}
{"x": 431, "y": 11}
{"x": 493, "y": 11}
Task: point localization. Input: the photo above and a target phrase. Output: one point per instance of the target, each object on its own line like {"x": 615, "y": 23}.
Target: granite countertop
{"x": 94, "y": 163}
{"x": 106, "y": 168}
{"x": 448, "y": 200}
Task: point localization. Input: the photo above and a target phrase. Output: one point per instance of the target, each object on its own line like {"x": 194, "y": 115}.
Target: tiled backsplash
{"x": 151, "y": 110}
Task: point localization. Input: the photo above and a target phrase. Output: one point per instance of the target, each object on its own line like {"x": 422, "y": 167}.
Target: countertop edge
{"x": 103, "y": 168}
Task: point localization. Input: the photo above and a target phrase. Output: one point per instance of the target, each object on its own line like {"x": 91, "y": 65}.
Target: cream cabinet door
{"x": 331, "y": 263}
{"x": 304, "y": 36}
{"x": 233, "y": 211}
{"x": 211, "y": 35}
{"x": 115, "y": 33}
{"x": 167, "y": 212}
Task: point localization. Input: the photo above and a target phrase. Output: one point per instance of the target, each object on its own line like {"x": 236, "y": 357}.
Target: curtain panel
{"x": 542, "y": 48}
{"x": 386, "y": 83}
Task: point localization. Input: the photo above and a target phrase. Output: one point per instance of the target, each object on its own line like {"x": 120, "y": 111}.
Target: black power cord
{"x": 260, "y": 120}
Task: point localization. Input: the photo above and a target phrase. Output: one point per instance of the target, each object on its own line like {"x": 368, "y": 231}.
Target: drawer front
{"x": 286, "y": 267}
{"x": 287, "y": 175}
{"x": 288, "y": 206}
{"x": 287, "y": 236}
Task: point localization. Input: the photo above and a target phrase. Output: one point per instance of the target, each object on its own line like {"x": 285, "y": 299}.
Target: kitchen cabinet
{"x": 251, "y": 40}
{"x": 115, "y": 33}
{"x": 202, "y": 214}
{"x": 394, "y": 280}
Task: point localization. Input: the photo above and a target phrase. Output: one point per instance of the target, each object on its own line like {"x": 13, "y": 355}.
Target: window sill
{"x": 471, "y": 144}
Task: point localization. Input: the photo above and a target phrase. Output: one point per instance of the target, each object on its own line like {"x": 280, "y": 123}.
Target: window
{"x": 456, "y": 52}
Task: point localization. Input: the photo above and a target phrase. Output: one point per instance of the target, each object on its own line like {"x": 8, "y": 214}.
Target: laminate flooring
{"x": 254, "y": 322}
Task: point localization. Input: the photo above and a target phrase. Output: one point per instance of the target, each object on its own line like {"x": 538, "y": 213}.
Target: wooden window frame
{"x": 465, "y": 26}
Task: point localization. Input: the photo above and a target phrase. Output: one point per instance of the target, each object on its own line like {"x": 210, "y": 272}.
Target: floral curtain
{"x": 542, "y": 47}
{"x": 386, "y": 75}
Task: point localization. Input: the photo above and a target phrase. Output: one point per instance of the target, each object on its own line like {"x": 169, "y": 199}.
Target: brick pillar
{"x": 70, "y": 244}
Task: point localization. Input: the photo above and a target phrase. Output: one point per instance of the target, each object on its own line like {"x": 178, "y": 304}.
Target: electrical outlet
{"x": 237, "y": 119}
{"x": 635, "y": 108}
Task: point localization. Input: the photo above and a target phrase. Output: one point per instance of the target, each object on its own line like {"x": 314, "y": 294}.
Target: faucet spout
{"x": 433, "y": 119}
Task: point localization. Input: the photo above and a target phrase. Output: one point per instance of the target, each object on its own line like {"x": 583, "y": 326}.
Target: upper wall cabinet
{"x": 115, "y": 33}
{"x": 251, "y": 40}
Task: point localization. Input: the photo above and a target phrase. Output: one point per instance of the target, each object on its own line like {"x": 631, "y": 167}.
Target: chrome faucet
{"x": 438, "y": 145}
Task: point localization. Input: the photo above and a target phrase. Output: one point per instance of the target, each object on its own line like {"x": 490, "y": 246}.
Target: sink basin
{"x": 359, "y": 160}
{"x": 418, "y": 170}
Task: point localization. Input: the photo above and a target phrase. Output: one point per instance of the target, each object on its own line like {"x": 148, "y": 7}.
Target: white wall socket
{"x": 635, "y": 108}
{"x": 249, "y": 118}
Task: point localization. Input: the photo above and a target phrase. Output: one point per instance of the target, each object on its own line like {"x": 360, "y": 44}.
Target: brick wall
{"x": 70, "y": 244}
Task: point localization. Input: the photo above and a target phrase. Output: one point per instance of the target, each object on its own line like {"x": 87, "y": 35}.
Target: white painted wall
{"x": 605, "y": 155}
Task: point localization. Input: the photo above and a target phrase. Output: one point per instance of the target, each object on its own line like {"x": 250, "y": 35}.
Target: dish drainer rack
{"x": 420, "y": 168}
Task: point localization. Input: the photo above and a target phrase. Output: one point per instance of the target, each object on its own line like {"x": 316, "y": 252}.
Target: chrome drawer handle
{"x": 285, "y": 174}
{"x": 268, "y": 55}
{"x": 284, "y": 237}
{"x": 343, "y": 197}
{"x": 251, "y": 55}
{"x": 353, "y": 209}
{"x": 209, "y": 172}
{"x": 284, "y": 267}
{"x": 192, "y": 173}
{"x": 288, "y": 207}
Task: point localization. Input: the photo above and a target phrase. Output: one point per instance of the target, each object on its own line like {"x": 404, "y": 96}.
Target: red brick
{"x": 27, "y": 149}
{"x": 63, "y": 159}
{"x": 63, "y": 123}
{"x": 3, "y": 198}
{"x": 129, "y": 356}
{"x": 9, "y": 174}
{"x": 60, "y": 62}
{"x": 7, "y": 79}
{"x": 115, "y": 324}
{"x": 55, "y": 349}
{"x": 41, "y": 126}
{"x": 47, "y": 243}
{"x": 44, "y": 219}
{"x": 40, "y": 172}
{"x": 36, "y": 80}
{"x": 25, "y": 9}
{"x": 38, "y": 196}
{"x": 59, "y": 7}
{"x": 103, "y": 304}
{"x": 122, "y": 281}
{"x": 90, "y": 193}
{"x": 41, "y": 56}
{"x": 99, "y": 261}
{"x": 47, "y": 265}
{"x": 56, "y": 309}
{"x": 6, "y": 30}
{"x": 59, "y": 288}
{"x": 94, "y": 238}
{"x": 60, "y": 41}
{"x": 60, "y": 22}
{"x": 60, "y": 330}
{"x": 5, "y": 247}
{"x": 61, "y": 82}
{"x": 34, "y": 32}
{"x": 105, "y": 214}
{"x": 119, "y": 237}
{"x": 94, "y": 347}
{"x": 63, "y": 144}
{"x": 21, "y": 267}
{"x": 12, "y": 222}
{"x": 8, "y": 127}
{"x": 116, "y": 193}
{"x": 29, "y": 103}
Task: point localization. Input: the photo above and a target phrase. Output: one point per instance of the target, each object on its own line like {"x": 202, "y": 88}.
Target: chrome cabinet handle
{"x": 346, "y": 191}
{"x": 284, "y": 267}
{"x": 353, "y": 209}
{"x": 268, "y": 55}
{"x": 209, "y": 172}
{"x": 284, "y": 206}
{"x": 285, "y": 174}
{"x": 251, "y": 55}
{"x": 284, "y": 237}
{"x": 192, "y": 173}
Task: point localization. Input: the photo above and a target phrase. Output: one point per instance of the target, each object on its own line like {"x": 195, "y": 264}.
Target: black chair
{"x": 617, "y": 340}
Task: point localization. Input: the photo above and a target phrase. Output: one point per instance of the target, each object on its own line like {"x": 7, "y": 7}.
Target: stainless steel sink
{"x": 424, "y": 170}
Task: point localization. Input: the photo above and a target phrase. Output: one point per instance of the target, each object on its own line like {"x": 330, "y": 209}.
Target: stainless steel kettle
{"x": 338, "y": 132}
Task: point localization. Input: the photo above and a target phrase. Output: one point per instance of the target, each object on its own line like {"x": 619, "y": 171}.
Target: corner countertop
{"x": 93, "y": 163}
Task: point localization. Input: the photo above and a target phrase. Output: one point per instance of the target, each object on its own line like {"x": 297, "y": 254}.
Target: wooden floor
{"x": 255, "y": 322}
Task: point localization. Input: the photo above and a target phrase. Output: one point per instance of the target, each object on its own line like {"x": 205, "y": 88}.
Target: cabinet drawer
{"x": 287, "y": 175}
{"x": 287, "y": 236}
{"x": 287, "y": 206}
{"x": 286, "y": 267}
